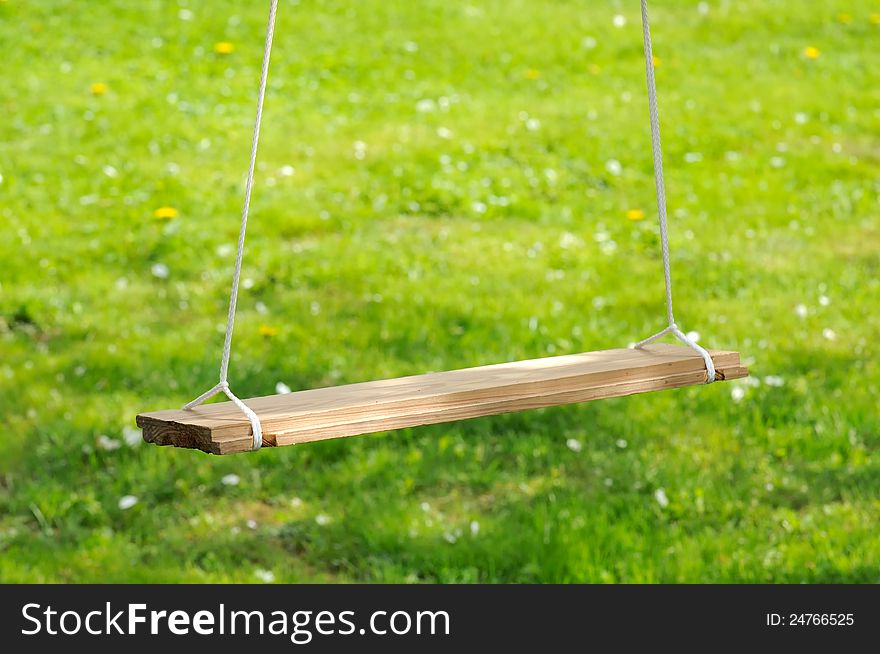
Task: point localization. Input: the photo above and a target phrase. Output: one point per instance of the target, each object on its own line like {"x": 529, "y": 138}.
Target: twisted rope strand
{"x": 656, "y": 150}
{"x": 223, "y": 385}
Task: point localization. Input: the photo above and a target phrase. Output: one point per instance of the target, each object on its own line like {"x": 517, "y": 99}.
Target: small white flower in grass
{"x": 829, "y": 334}
{"x": 824, "y": 300}
{"x": 475, "y": 527}
{"x": 132, "y": 436}
{"x": 613, "y": 166}
{"x": 281, "y": 388}
{"x": 444, "y": 133}
{"x": 251, "y": 524}
{"x": 110, "y": 171}
{"x": 224, "y": 250}
{"x": 533, "y": 124}
{"x": 737, "y": 393}
{"x": 266, "y": 576}
{"x": 621, "y": 443}
{"x": 479, "y": 207}
{"x": 107, "y": 443}
{"x": 127, "y": 501}
{"x": 425, "y": 105}
{"x": 801, "y": 118}
{"x": 323, "y": 519}
{"x": 694, "y": 336}
{"x": 619, "y": 20}
{"x": 296, "y": 503}
{"x": 425, "y": 507}
{"x": 185, "y": 14}
{"x": 567, "y": 240}
{"x": 160, "y": 270}
{"x": 287, "y": 171}
{"x": 608, "y": 247}
{"x": 703, "y": 8}
{"x": 588, "y": 43}
{"x": 411, "y": 46}
{"x": 261, "y": 308}
{"x": 609, "y": 482}
{"x": 360, "y": 150}
{"x": 777, "y": 162}
{"x": 574, "y": 445}
{"x": 231, "y": 479}
{"x": 774, "y": 380}
{"x": 449, "y": 537}
{"x": 693, "y": 157}
{"x": 660, "y": 496}
{"x": 801, "y": 310}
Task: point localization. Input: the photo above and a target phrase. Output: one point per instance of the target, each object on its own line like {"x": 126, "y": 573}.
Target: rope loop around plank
{"x": 680, "y": 335}
{"x": 656, "y": 150}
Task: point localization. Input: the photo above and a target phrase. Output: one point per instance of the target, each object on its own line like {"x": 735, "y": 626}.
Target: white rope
{"x": 223, "y": 385}
{"x": 672, "y": 328}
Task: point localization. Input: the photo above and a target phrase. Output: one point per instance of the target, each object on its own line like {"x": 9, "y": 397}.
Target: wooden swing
{"x": 319, "y": 414}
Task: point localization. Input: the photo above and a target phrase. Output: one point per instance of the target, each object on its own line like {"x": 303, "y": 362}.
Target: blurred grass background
{"x": 440, "y": 184}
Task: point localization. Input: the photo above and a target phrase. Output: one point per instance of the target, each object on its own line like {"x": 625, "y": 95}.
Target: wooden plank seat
{"x": 435, "y": 397}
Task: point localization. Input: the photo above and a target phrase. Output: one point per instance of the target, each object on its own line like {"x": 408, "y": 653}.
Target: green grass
{"x": 480, "y": 221}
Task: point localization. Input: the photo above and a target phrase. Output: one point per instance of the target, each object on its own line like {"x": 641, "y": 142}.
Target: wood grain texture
{"x": 437, "y": 397}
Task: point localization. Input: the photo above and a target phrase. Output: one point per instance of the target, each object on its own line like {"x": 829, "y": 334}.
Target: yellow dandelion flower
{"x": 656, "y": 61}
{"x": 811, "y": 52}
{"x": 98, "y": 88}
{"x": 165, "y": 213}
{"x": 846, "y": 19}
{"x": 635, "y": 214}
{"x": 224, "y": 48}
{"x": 532, "y": 74}
{"x": 875, "y": 19}
{"x": 269, "y": 331}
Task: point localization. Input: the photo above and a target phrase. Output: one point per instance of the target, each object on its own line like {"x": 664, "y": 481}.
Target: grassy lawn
{"x": 441, "y": 184}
